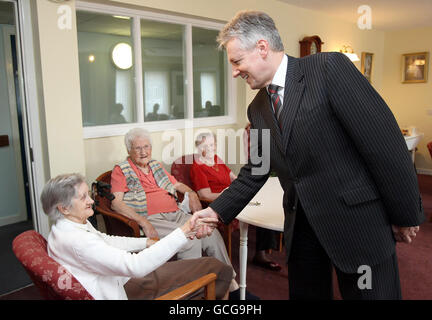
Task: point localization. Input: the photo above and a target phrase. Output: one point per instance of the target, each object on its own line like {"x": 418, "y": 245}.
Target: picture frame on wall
{"x": 415, "y": 67}
{"x": 366, "y": 65}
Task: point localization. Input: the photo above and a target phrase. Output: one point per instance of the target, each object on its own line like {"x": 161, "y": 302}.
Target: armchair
{"x": 115, "y": 223}
{"x": 56, "y": 283}
{"x": 52, "y": 279}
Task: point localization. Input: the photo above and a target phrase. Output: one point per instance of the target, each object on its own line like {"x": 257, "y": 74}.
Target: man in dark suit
{"x": 350, "y": 188}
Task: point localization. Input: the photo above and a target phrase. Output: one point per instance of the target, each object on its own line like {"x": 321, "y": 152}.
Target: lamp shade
{"x": 349, "y": 52}
{"x": 353, "y": 57}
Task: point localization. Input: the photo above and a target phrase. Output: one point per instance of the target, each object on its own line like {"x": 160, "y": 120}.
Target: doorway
{"x": 15, "y": 210}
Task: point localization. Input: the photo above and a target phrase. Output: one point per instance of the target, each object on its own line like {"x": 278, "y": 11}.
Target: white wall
{"x": 60, "y": 89}
{"x": 409, "y": 102}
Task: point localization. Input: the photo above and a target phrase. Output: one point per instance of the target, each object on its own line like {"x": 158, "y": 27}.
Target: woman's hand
{"x": 187, "y": 230}
{"x": 148, "y": 229}
{"x": 190, "y": 229}
{"x": 194, "y": 202}
{"x": 203, "y": 222}
{"x": 150, "y": 242}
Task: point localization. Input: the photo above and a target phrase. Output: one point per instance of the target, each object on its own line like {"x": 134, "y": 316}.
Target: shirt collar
{"x": 280, "y": 75}
{"x": 73, "y": 224}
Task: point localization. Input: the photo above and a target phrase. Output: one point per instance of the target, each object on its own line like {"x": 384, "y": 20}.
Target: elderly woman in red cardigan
{"x": 210, "y": 176}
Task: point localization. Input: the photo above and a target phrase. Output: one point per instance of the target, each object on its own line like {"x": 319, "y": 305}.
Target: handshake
{"x": 201, "y": 224}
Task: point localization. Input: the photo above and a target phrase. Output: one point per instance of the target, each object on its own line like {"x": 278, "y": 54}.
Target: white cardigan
{"x": 103, "y": 263}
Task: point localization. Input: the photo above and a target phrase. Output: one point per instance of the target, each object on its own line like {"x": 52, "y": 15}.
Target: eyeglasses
{"x": 139, "y": 149}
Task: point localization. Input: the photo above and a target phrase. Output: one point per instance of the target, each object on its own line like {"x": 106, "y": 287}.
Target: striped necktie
{"x": 275, "y": 98}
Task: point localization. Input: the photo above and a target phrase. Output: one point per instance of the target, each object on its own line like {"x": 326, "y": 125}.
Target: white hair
{"x": 60, "y": 191}
{"x": 249, "y": 27}
{"x": 136, "y": 133}
{"x": 203, "y": 136}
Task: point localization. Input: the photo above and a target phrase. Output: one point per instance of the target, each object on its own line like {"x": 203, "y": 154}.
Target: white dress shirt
{"x": 103, "y": 263}
{"x": 280, "y": 76}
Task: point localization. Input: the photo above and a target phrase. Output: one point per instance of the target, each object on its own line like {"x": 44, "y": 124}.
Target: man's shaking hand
{"x": 210, "y": 219}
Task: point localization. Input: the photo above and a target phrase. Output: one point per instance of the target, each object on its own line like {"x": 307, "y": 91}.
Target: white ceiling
{"x": 386, "y": 14}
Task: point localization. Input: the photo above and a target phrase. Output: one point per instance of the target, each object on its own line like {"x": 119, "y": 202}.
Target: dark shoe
{"x": 271, "y": 265}
{"x": 235, "y": 295}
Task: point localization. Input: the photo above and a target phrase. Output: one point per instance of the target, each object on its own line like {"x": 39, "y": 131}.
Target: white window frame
{"x": 154, "y": 126}
{"x": 31, "y": 117}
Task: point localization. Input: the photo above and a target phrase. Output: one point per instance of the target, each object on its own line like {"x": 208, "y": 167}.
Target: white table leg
{"x": 243, "y": 258}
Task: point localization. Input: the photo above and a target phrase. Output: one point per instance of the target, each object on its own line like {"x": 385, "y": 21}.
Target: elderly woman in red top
{"x": 145, "y": 192}
{"x": 210, "y": 176}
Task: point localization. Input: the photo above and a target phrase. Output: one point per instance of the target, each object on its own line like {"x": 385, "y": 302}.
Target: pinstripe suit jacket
{"x": 341, "y": 154}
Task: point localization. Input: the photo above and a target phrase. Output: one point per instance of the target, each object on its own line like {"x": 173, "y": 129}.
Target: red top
{"x": 215, "y": 177}
{"x": 158, "y": 200}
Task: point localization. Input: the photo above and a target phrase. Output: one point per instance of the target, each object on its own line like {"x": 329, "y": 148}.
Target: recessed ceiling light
{"x": 122, "y": 17}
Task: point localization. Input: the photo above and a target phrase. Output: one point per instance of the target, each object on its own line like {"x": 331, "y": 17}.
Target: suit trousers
{"x": 310, "y": 271}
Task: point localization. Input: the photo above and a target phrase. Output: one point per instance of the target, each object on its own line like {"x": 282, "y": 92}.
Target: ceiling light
{"x": 122, "y": 55}
{"x": 122, "y": 17}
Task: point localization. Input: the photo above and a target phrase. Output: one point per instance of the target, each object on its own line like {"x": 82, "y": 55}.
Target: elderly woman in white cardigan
{"x": 105, "y": 265}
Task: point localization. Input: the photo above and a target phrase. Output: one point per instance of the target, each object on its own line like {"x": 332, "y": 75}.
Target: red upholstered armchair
{"x": 56, "y": 283}
{"x": 180, "y": 169}
{"x": 52, "y": 279}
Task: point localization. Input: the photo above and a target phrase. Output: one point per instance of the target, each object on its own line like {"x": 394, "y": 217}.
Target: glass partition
{"x": 106, "y": 69}
{"x": 208, "y": 74}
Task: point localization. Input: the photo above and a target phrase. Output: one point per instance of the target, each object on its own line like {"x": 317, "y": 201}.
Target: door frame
{"x": 31, "y": 112}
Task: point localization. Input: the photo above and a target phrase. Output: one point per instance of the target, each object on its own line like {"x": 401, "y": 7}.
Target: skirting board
{"x": 4, "y": 221}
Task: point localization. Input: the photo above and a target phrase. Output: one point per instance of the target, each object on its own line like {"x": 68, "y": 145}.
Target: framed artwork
{"x": 366, "y": 65}
{"x": 415, "y": 67}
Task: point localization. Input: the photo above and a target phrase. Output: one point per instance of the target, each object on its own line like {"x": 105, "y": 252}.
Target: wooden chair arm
{"x": 207, "y": 281}
{"x": 129, "y": 222}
